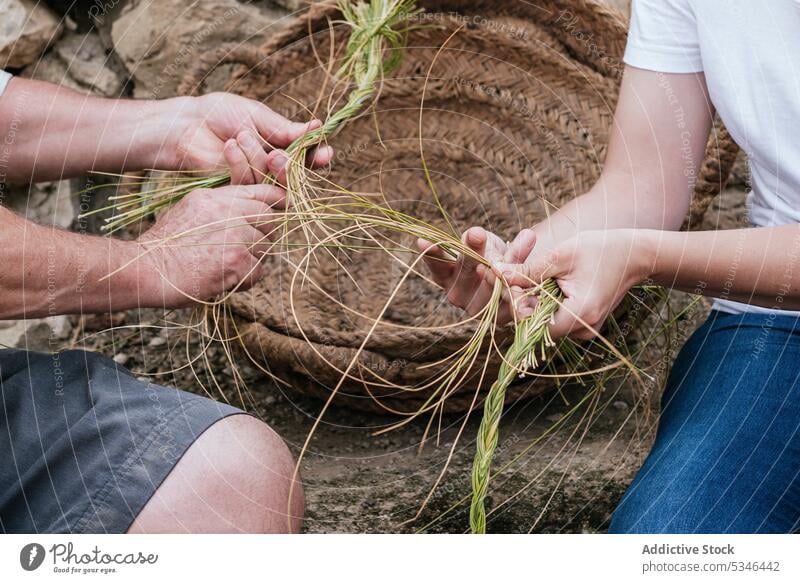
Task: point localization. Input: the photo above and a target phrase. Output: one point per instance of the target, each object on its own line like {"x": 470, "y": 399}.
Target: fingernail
{"x": 475, "y": 236}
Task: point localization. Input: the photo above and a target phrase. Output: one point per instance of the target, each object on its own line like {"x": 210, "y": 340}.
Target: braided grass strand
{"x": 531, "y": 340}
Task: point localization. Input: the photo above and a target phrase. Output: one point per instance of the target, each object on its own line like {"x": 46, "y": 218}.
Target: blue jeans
{"x": 726, "y": 458}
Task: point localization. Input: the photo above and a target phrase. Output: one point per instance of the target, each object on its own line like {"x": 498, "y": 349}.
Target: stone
{"x": 620, "y": 406}
{"x": 27, "y": 28}
{"x": 80, "y": 62}
{"x": 160, "y": 41}
{"x": 294, "y": 5}
{"x": 47, "y": 203}
{"x": 85, "y": 13}
{"x": 43, "y": 334}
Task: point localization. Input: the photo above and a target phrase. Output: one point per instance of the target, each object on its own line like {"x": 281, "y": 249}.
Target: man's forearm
{"x": 48, "y": 272}
{"x": 49, "y": 132}
{"x": 760, "y": 266}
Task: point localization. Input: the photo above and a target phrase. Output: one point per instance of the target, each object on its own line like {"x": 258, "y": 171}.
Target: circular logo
{"x": 31, "y": 556}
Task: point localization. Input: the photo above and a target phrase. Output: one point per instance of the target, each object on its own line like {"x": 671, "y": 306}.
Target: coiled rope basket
{"x": 517, "y": 108}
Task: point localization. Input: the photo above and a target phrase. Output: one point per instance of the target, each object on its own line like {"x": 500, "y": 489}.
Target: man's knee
{"x": 237, "y": 477}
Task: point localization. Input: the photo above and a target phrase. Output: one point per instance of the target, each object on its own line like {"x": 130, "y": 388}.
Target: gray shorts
{"x": 84, "y": 444}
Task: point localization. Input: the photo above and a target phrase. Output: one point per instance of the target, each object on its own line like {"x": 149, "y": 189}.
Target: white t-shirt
{"x": 749, "y": 51}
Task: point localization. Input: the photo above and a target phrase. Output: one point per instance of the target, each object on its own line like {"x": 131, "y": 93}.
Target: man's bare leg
{"x": 234, "y": 478}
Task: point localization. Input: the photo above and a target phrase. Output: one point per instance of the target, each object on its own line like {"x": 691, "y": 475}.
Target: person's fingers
{"x": 521, "y": 246}
{"x": 584, "y": 334}
{"x": 480, "y": 296}
{"x": 579, "y": 317}
{"x": 567, "y": 320}
{"x": 256, "y": 156}
{"x": 440, "y": 265}
{"x": 268, "y": 224}
{"x": 278, "y": 131}
{"x": 531, "y": 272}
{"x": 256, "y": 273}
{"x": 320, "y": 157}
{"x": 268, "y": 194}
{"x": 277, "y": 161}
{"x": 517, "y": 303}
{"x": 241, "y": 173}
{"x": 287, "y": 134}
{"x": 258, "y": 215}
{"x": 466, "y": 277}
{"x": 262, "y": 244}
{"x": 525, "y": 305}
{"x": 252, "y": 238}
{"x": 476, "y": 239}
{"x": 495, "y": 248}
{"x": 256, "y": 246}
{"x": 496, "y": 251}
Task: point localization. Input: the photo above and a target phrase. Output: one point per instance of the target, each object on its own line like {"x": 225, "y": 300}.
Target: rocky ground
{"x": 355, "y": 481}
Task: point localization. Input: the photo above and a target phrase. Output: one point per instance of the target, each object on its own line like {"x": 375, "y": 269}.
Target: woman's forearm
{"x": 759, "y": 266}
{"x": 617, "y": 201}
{"x": 656, "y": 146}
{"x": 49, "y": 132}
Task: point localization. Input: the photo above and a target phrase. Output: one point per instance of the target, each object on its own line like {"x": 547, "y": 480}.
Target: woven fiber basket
{"x": 517, "y": 110}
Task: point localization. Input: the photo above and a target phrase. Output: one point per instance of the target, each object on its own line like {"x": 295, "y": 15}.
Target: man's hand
{"x": 210, "y": 133}
{"x": 208, "y": 243}
{"x": 222, "y": 130}
{"x": 469, "y": 283}
{"x": 594, "y": 269}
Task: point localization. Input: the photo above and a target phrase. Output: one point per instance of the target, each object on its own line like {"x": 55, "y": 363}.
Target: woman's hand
{"x": 594, "y": 269}
{"x": 223, "y": 130}
{"x": 469, "y": 283}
